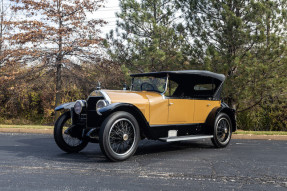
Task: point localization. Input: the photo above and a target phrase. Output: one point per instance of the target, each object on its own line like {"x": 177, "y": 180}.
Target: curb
{"x": 234, "y": 136}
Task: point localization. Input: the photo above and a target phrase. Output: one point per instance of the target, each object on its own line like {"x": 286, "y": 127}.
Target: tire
{"x": 119, "y": 136}
{"x": 64, "y": 141}
{"x": 222, "y": 131}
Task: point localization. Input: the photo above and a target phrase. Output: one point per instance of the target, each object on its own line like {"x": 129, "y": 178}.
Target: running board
{"x": 185, "y": 138}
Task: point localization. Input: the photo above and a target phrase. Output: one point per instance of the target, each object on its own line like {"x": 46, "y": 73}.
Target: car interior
{"x": 192, "y": 87}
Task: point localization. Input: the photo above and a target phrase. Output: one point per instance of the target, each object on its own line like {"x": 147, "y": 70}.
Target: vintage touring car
{"x": 167, "y": 106}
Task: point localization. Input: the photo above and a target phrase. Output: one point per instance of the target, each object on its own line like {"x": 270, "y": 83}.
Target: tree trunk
{"x": 58, "y": 87}
{"x": 59, "y": 63}
{"x": 231, "y": 103}
{"x": 268, "y": 27}
{"x": 1, "y": 28}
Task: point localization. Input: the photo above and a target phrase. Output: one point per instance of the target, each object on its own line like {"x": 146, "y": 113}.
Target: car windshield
{"x": 149, "y": 83}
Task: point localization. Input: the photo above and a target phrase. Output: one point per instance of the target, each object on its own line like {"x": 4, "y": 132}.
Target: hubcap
{"x": 125, "y": 137}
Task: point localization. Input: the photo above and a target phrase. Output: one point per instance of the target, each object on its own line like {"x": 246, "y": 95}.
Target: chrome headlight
{"x": 78, "y": 107}
{"x": 100, "y": 104}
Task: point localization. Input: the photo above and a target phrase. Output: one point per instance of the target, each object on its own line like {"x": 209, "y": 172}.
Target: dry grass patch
{"x": 240, "y": 132}
{"x": 27, "y": 126}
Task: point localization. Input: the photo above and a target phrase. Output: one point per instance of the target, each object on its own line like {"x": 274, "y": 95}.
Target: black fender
{"x": 127, "y": 107}
{"x": 210, "y": 120}
{"x": 65, "y": 106}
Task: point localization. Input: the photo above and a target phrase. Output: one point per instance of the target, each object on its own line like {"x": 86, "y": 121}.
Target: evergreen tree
{"x": 148, "y": 37}
{"x": 245, "y": 40}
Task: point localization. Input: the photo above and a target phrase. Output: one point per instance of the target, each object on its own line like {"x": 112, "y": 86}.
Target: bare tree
{"x": 58, "y": 33}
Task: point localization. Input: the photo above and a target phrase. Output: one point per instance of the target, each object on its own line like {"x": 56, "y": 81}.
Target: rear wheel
{"x": 119, "y": 136}
{"x": 67, "y": 139}
{"x": 222, "y": 131}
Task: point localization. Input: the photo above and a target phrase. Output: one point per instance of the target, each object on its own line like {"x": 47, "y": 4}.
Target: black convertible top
{"x": 174, "y": 74}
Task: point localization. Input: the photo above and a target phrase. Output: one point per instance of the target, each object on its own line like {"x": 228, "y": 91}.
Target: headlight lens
{"x": 78, "y": 107}
{"x": 100, "y": 104}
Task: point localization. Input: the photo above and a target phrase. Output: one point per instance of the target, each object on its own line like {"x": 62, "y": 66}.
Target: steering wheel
{"x": 147, "y": 85}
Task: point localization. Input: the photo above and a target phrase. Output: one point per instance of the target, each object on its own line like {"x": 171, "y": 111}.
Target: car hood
{"x": 141, "y": 99}
{"x": 133, "y": 97}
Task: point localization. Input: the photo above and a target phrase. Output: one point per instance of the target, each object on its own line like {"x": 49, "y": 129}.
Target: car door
{"x": 180, "y": 111}
{"x": 180, "y": 108}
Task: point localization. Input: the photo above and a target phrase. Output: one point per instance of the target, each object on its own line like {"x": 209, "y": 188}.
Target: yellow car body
{"x": 167, "y": 106}
{"x": 161, "y": 110}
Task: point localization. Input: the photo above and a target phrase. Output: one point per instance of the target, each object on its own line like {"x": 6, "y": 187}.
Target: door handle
{"x": 170, "y": 104}
{"x": 208, "y": 105}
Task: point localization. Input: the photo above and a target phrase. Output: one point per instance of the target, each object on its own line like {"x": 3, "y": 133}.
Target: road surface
{"x": 34, "y": 162}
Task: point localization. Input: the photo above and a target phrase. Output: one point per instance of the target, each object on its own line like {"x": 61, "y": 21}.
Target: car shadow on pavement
{"x": 45, "y": 148}
{"x": 151, "y": 147}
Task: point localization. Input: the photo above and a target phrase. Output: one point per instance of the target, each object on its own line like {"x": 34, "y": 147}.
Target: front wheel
{"x": 222, "y": 131}
{"x": 119, "y": 136}
{"x": 67, "y": 140}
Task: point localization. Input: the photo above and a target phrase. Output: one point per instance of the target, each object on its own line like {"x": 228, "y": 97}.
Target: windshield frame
{"x": 162, "y": 93}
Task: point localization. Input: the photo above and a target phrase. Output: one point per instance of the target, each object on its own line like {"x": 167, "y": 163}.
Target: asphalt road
{"x": 34, "y": 162}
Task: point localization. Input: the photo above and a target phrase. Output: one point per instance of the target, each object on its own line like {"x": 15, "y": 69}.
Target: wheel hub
{"x": 225, "y": 130}
{"x": 125, "y": 137}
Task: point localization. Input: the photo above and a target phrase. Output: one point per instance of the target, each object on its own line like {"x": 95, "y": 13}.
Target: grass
{"x": 27, "y": 126}
{"x": 240, "y": 132}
